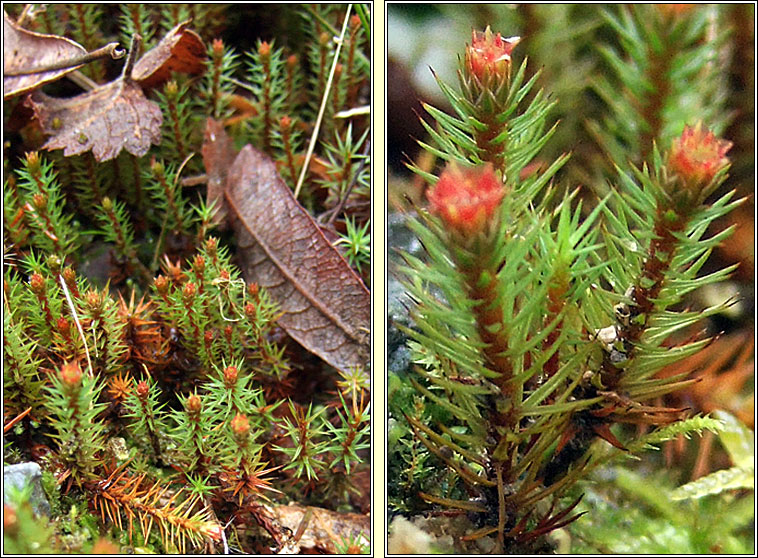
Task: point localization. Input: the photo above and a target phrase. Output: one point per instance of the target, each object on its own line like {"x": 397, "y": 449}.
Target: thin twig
{"x": 111, "y": 49}
{"x": 27, "y": 13}
{"x": 82, "y": 81}
{"x": 325, "y": 98}
{"x": 333, "y": 30}
{"x": 357, "y": 111}
{"x": 126, "y": 73}
{"x": 78, "y": 325}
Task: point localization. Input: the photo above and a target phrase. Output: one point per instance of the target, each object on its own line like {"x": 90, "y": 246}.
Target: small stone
{"x": 20, "y": 475}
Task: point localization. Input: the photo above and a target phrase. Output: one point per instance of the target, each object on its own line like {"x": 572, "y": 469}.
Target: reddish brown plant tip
{"x": 199, "y": 263}
{"x": 674, "y": 10}
{"x": 142, "y": 389}
{"x": 71, "y": 374}
{"x": 33, "y": 162}
{"x": 37, "y": 283}
{"x": 211, "y": 245}
{"x": 161, "y": 284}
{"x": 63, "y": 326}
{"x": 10, "y": 521}
{"x": 252, "y": 288}
{"x": 250, "y": 310}
{"x": 119, "y": 387}
{"x": 264, "y": 49}
{"x": 188, "y": 291}
{"x": 194, "y": 405}
{"x": 69, "y": 275}
{"x": 230, "y": 376}
{"x": 240, "y": 426}
{"x": 93, "y": 300}
{"x": 218, "y": 47}
{"x": 697, "y": 155}
{"x": 39, "y": 201}
{"x": 466, "y": 198}
{"x": 488, "y": 57}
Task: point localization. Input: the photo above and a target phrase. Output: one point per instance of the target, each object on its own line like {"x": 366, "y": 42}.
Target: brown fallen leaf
{"x": 112, "y": 117}
{"x": 323, "y": 528}
{"x": 218, "y": 155}
{"x": 181, "y": 50}
{"x": 326, "y": 305}
{"x": 24, "y": 49}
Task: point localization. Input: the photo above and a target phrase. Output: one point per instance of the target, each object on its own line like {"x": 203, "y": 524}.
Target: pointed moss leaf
{"x": 327, "y": 308}
{"x": 727, "y": 479}
{"x": 737, "y": 439}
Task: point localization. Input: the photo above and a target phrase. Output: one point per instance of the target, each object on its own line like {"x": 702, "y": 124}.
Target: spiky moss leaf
{"x": 737, "y": 439}
{"x": 22, "y": 383}
{"x": 657, "y": 66}
{"x": 650, "y": 533}
{"x": 715, "y": 483}
{"x": 53, "y": 228}
{"x": 682, "y": 428}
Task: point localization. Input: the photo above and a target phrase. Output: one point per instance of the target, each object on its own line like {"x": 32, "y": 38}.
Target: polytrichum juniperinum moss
{"x": 542, "y": 314}
{"x": 141, "y": 369}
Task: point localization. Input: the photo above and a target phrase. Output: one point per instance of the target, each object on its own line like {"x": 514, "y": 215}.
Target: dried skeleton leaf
{"x": 181, "y": 50}
{"x": 112, "y": 117}
{"x": 326, "y": 305}
{"x": 24, "y": 50}
{"x": 117, "y": 115}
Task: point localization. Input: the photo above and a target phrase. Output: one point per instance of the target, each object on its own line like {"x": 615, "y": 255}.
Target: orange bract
{"x": 466, "y": 198}
{"x": 698, "y": 155}
{"x": 489, "y": 56}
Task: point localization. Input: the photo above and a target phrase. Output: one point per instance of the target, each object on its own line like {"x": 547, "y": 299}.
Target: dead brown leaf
{"x": 326, "y": 305}
{"x": 112, "y": 117}
{"x": 323, "y": 528}
{"x": 117, "y": 115}
{"x": 181, "y": 50}
{"x": 24, "y": 49}
{"x": 218, "y": 155}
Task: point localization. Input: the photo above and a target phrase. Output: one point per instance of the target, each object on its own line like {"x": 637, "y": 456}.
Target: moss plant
{"x": 140, "y": 368}
{"x": 540, "y": 323}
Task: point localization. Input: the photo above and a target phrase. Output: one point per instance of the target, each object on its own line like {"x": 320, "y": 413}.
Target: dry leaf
{"x": 24, "y": 49}
{"x": 114, "y": 116}
{"x": 326, "y": 305}
{"x": 181, "y": 50}
{"x": 218, "y": 155}
{"x": 324, "y": 527}
{"x": 117, "y": 115}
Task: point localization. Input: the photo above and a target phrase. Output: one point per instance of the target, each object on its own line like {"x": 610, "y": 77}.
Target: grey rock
{"x": 20, "y": 475}
{"x": 399, "y": 239}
